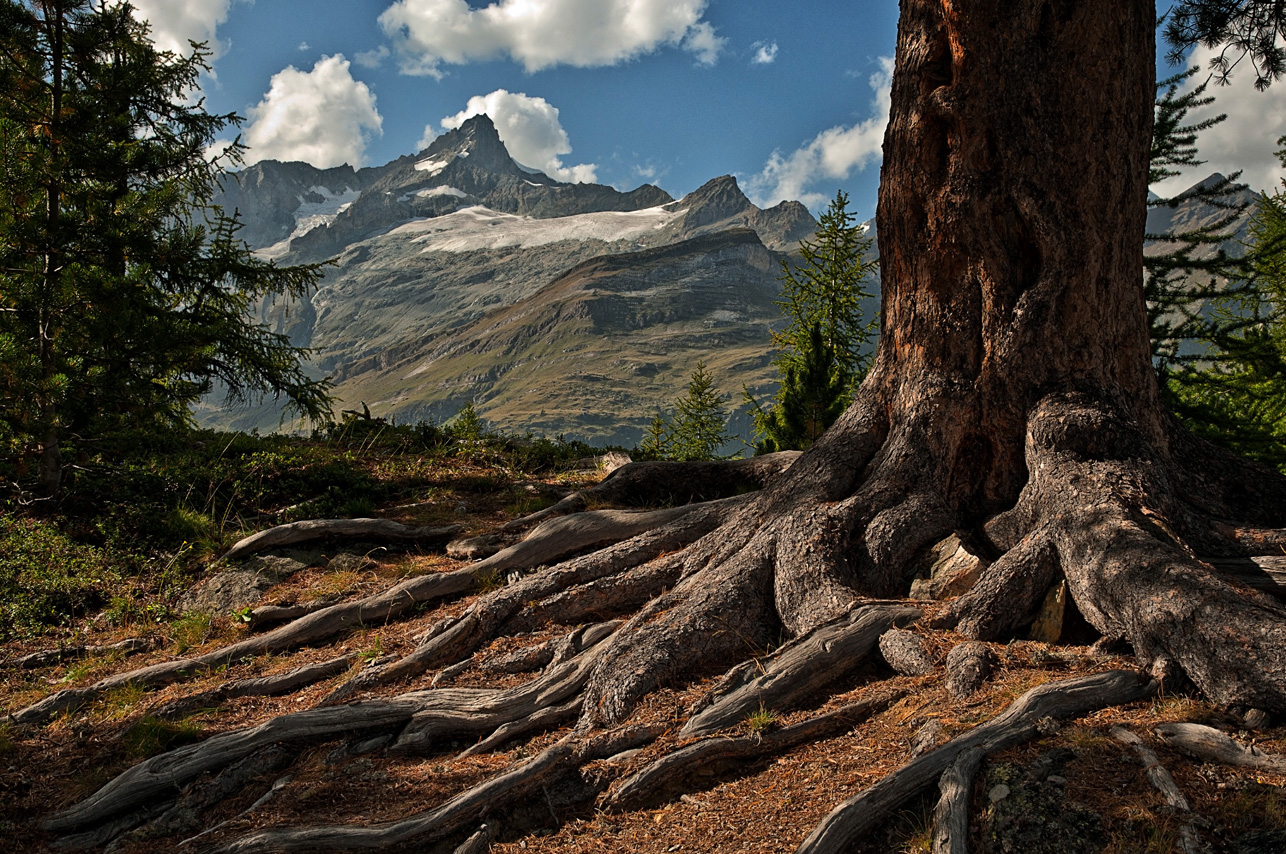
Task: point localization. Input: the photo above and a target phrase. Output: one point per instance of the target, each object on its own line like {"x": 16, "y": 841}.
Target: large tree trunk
{"x": 1011, "y": 211}
{"x": 1012, "y": 398}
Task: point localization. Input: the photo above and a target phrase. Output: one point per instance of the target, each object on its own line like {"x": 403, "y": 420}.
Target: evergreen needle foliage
{"x": 1236, "y": 395}
{"x": 124, "y": 295}
{"x": 820, "y": 354}
{"x": 1216, "y": 320}
{"x": 698, "y": 428}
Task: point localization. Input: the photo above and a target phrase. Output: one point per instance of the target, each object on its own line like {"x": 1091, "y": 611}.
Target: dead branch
{"x": 1163, "y": 783}
{"x": 951, "y": 816}
{"x": 1209, "y": 743}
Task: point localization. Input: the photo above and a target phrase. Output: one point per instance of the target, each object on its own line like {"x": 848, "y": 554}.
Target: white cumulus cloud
{"x": 544, "y": 33}
{"x": 765, "y": 53}
{"x": 1246, "y": 140}
{"x": 832, "y": 155}
{"x": 175, "y": 22}
{"x": 323, "y": 117}
{"x": 529, "y": 128}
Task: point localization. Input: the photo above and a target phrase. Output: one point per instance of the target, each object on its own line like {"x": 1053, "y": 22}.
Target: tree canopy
{"x": 124, "y": 295}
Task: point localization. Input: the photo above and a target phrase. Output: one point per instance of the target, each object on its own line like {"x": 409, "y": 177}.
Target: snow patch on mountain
{"x": 430, "y": 192}
{"x": 433, "y": 167}
{"x": 476, "y": 228}
{"x": 317, "y": 208}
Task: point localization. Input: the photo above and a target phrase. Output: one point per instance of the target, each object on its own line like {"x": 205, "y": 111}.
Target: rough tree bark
{"x": 1012, "y": 396}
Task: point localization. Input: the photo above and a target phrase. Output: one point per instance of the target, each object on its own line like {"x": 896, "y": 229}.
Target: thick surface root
{"x": 859, "y": 815}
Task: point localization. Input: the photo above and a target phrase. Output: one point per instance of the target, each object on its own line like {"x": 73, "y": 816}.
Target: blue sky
{"x": 789, "y": 97}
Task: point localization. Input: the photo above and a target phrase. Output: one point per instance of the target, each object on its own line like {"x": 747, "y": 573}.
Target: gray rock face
{"x": 233, "y": 589}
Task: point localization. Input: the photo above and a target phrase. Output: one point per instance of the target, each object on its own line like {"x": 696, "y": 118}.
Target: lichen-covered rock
{"x": 233, "y": 589}
{"x": 1028, "y": 813}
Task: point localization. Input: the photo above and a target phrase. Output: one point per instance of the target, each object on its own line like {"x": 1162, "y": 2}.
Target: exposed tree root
{"x": 662, "y": 597}
{"x": 316, "y": 530}
{"x": 455, "y": 813}
{"x": 661, "y": 483}
{"x": 455, "y": 639}
{"x": 46, "y": 657}
{"x": 849, "y": 821}
{"x": 801, "y": 669}
{"x": 951, "y": 815}
{"x": 263, "y": 686}
{"x": 699, "y": 765}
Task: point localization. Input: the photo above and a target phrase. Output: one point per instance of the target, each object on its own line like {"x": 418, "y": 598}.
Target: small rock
{"x": 1256, "y": 719}
{"x": 474, "y": 548}
{"x": 1048, "y": 627}
{"x": 904, "y": 652}
{"x": 953, "y": 569}
{"x": 968, "y": 666}
{"x": 346, "y": 562}
{"x": 998, "y": 793}
{"x": 233, "y": 589}
{"x": 370, "y": 745}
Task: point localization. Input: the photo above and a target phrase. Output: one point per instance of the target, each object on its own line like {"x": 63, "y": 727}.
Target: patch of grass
{"x": 761, "y": 719}
{"x": 487, "y": 580}
{"x": 1254, "y": 806}
{"x": 334, "y": 584}
{"x": 1144, "y": 833}
{"x": 6, "y": 738}
{"x": 119, "y": 703}
{"x": 47, "y": 579}
{"x": 190, "y": 630}
{"x": 151, "y": 736}
{"x": 372, "y": 652}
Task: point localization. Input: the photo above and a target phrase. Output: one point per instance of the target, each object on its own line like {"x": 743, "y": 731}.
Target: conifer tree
{"x": 1236, "y": 393}
{"x": 124, "y": 295}
{"x": 698, "y": 428}
{"x": 820, "y": 354}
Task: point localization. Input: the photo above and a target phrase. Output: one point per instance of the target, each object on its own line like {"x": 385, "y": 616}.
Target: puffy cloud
{"x": 323, "y": 117}
{"x": 1245, "y": 140}
{"x": 530, "y": 130}
{"x": 372, "y": 58}
{"x": 543, "y": 33}
{"x": 765, "y": 53}
{"x": 175, "y": 22}
{"x": 832, "y": 155}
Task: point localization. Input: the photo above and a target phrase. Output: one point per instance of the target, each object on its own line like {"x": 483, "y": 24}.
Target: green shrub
{"x": 46, "y": 578}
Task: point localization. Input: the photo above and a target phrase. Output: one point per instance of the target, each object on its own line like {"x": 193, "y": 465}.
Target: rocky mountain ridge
{"x": 437, "y": 253}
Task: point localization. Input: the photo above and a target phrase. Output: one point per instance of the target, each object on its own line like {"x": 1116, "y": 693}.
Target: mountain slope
{"x": 437, "y": 254}
{"x": 599, "y": 350}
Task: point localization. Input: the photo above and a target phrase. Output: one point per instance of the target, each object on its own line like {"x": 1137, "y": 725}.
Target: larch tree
{"x": 1012, "y": 402}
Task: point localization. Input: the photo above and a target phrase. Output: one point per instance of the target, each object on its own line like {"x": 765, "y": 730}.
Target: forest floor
{"x": 1076, "y": 788}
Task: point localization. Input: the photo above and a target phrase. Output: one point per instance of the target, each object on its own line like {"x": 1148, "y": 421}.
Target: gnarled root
{"x": 860, "y": 814}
